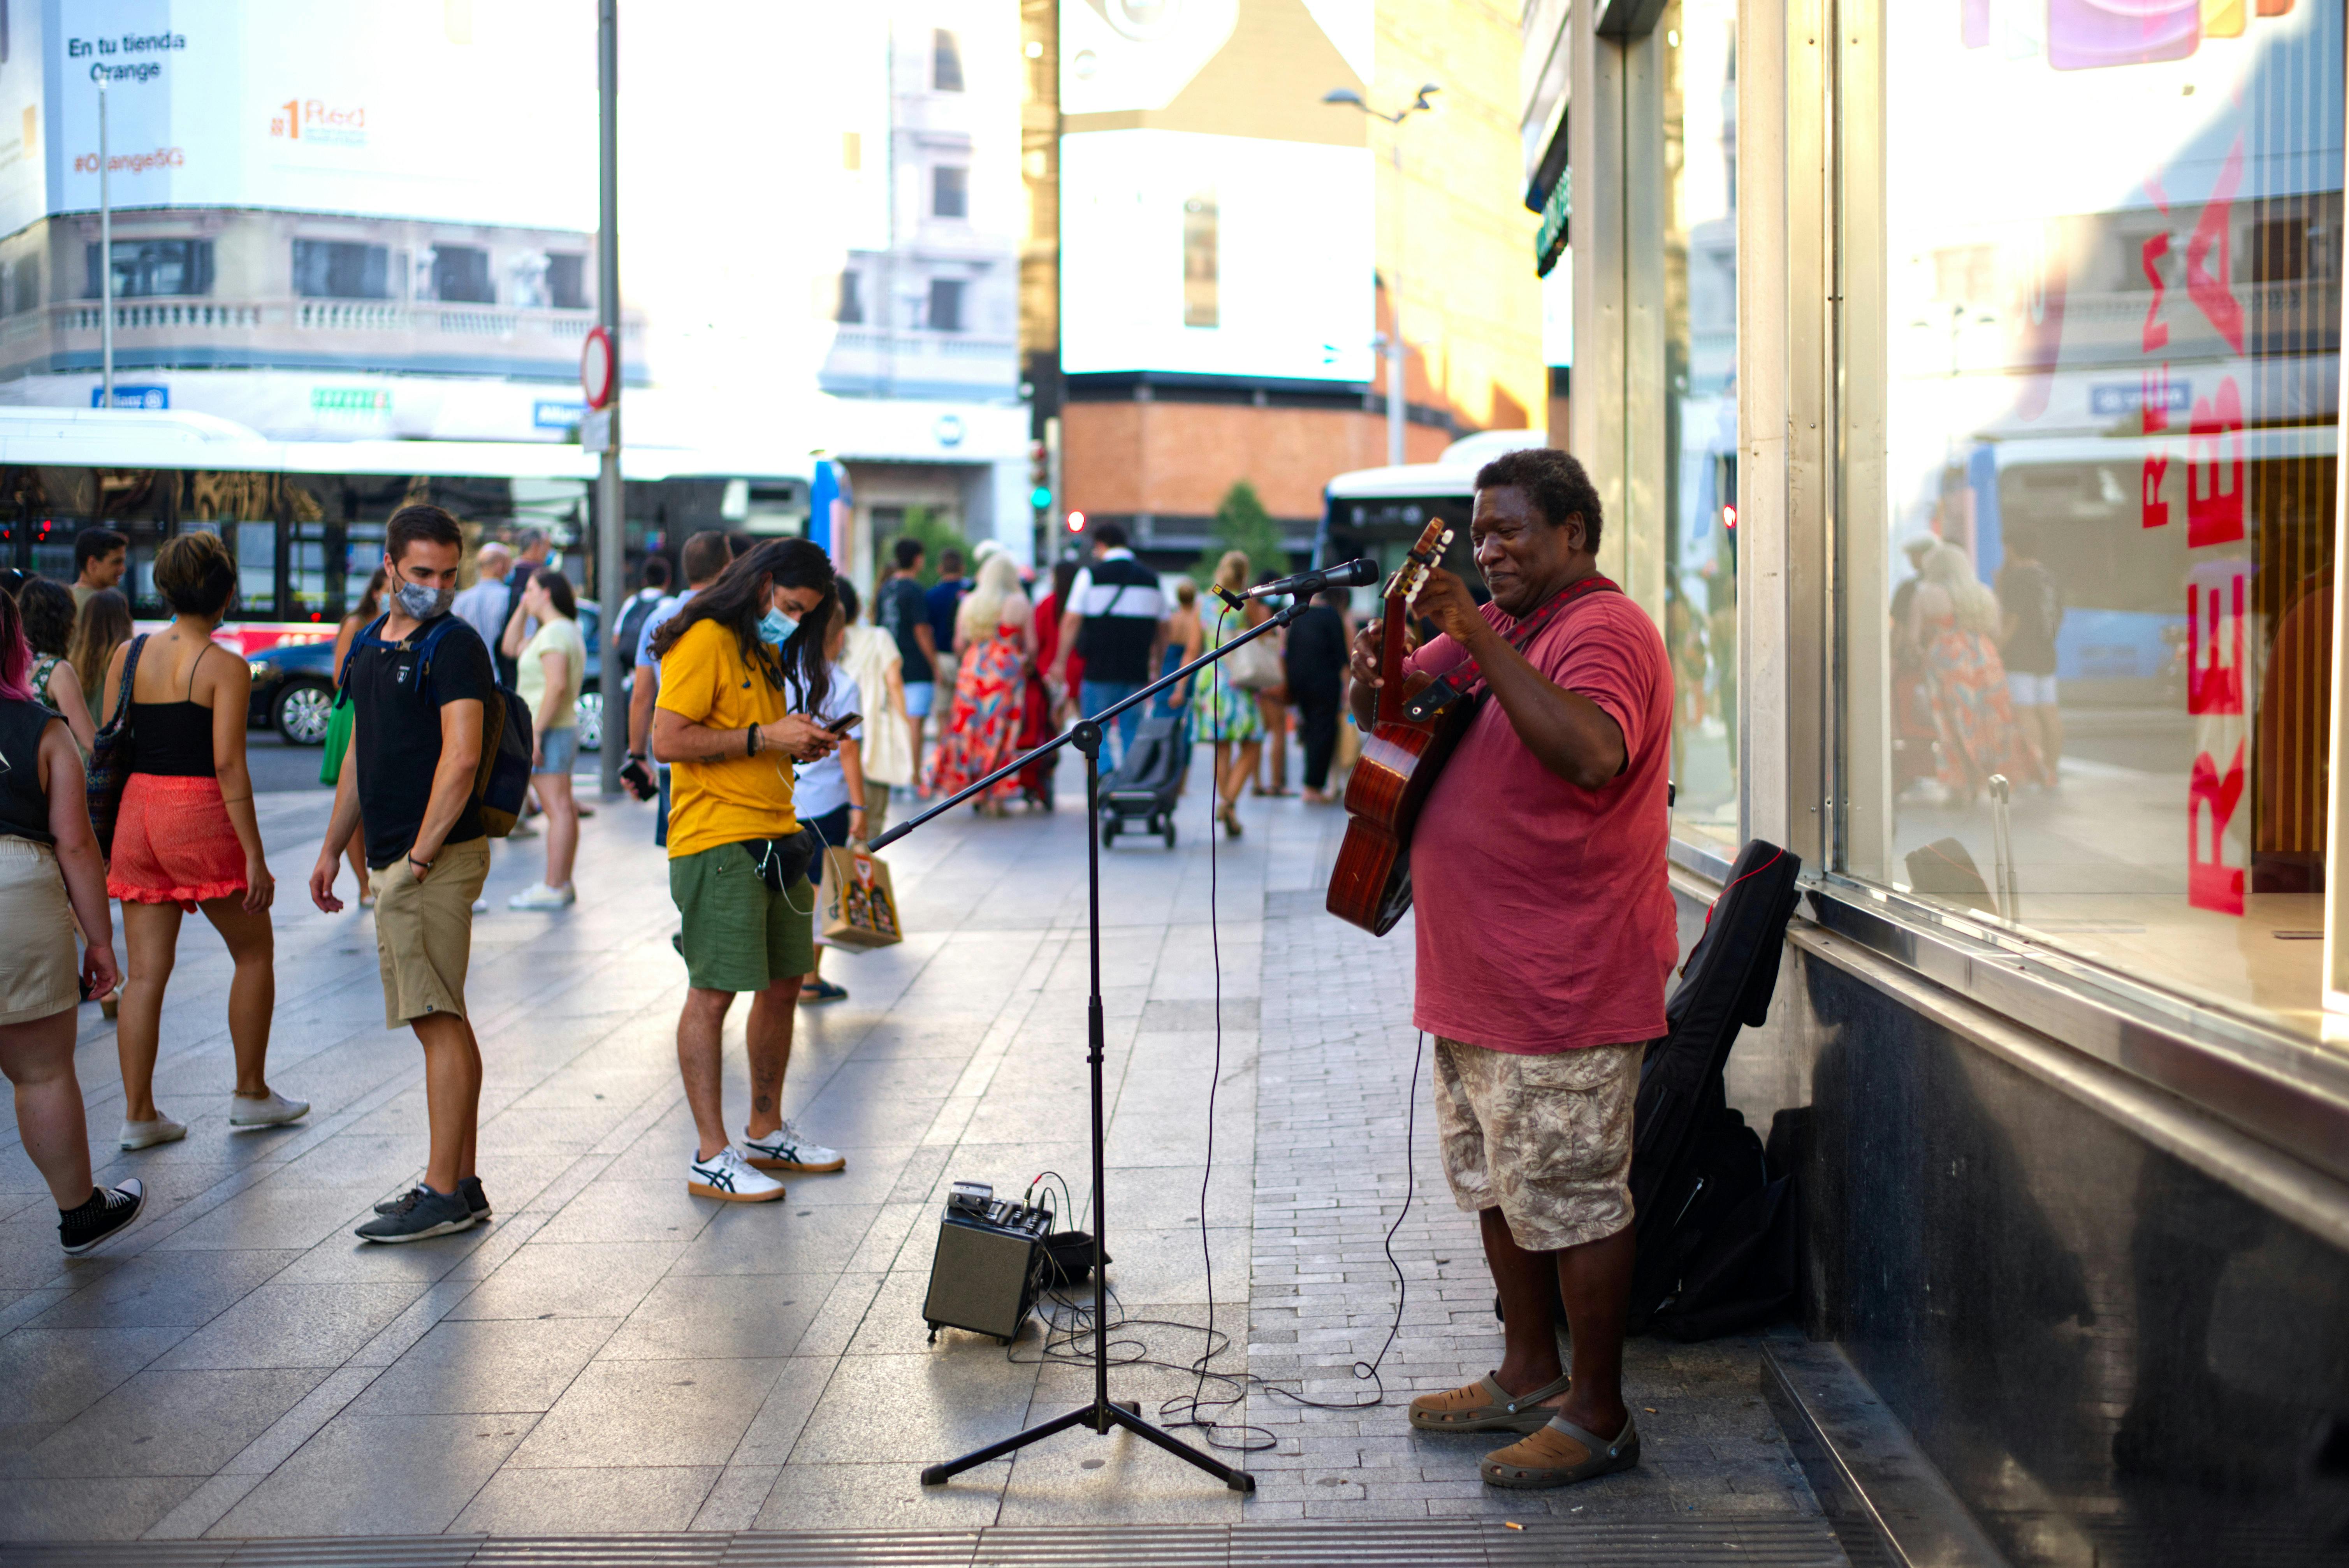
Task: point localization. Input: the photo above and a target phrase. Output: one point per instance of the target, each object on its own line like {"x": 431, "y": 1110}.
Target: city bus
{"x": 1378, "y": 513}
{"x": 304, "y": 520}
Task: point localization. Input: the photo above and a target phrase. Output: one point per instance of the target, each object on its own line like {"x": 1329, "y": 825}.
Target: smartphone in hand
{"x": 840, "y": 727}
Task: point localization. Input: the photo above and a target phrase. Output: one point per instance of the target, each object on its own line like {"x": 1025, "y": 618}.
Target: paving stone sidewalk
{"x": 612, "y": 1355}
{"x": 1332, "y": 1120}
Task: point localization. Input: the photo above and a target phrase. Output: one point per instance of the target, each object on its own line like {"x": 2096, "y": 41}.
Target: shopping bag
{"x": 860, "y": 909}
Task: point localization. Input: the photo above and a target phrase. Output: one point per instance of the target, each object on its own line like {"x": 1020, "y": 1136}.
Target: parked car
{"x": 294, "y": 689}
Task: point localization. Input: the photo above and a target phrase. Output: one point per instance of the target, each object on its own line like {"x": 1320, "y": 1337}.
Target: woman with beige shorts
{"x": 50, "y": 877}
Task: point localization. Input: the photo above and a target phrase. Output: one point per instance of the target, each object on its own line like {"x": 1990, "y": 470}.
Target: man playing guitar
{"x": 1545, "y": 931}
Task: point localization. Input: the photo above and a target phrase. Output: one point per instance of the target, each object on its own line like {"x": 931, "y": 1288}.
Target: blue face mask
{"x": 774, "y": 627}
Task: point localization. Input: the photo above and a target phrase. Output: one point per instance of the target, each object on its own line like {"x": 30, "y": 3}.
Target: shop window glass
{"x": 2088, "y": 648}
{"x": 461, "y": 274}
{"x": 341, "y": 269}
{"x": 946, "y": 305}
{"x": 149, "y": 269}
{"x": 950, "y": 191}
{"x": 566, "y": 281}
{"x": 1699, "y": 58}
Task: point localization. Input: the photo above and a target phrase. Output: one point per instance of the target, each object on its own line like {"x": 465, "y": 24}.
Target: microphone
{"x": 1305, "y": 584}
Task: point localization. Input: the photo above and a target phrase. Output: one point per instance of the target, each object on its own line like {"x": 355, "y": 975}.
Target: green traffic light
{"x": 1039, "y": 498}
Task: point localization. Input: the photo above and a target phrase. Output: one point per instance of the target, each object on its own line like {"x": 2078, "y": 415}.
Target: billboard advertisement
{"x": 1216, "y": 217}
{"x": 402, "y": 108}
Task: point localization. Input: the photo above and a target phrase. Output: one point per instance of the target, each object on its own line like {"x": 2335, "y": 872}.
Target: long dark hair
{"x": 16, "y": 655}
{"x": 738, "y": 599}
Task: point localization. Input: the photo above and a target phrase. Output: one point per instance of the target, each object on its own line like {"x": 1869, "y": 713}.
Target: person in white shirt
{"x": 828, "y": 795}
{"x": 484, "y": 605}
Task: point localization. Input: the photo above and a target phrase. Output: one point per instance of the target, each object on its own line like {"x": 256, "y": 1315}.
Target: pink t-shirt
{"x": 1545, "y": 922}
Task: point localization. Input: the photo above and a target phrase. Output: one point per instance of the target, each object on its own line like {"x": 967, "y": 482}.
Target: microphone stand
{"x": 1103, "y": 1415}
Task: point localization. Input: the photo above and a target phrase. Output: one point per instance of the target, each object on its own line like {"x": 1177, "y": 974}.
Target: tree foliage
{"x": 1243, "y": 524}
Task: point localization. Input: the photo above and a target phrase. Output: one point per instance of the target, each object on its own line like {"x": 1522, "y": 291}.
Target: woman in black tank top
{"x": 186, "y": 838}
{"x": 51, "y": 880}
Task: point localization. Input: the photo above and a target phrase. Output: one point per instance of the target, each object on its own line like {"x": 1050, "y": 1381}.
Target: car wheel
{"x": 304, "y": 712}
{"x": 591, "y": 721}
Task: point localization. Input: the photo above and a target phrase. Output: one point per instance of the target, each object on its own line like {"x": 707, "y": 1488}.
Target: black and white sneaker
{"x": 105, "y": 1211}
{"x": 731, "y": 1179}
{"x": 419, "y": 1214}
{"x": 476, "y": 1201}
{"x": 789, "y": 1149}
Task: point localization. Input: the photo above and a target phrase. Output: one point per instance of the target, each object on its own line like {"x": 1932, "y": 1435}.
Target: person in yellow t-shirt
{"x": 727, "y": 658}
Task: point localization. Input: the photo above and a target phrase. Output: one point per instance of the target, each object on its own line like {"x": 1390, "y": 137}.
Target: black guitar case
{"x": 1710, "y": 1215}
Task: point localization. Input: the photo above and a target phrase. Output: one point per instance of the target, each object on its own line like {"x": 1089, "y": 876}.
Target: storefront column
{"x": 1786, "y": 330}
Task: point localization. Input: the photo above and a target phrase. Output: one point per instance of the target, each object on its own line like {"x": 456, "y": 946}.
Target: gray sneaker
{"x": 476, "y": 1201}
{"x": 420, "y": 1213}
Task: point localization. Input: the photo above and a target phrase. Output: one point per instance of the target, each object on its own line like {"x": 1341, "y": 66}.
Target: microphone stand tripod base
{"x": 1103, "y": 1414}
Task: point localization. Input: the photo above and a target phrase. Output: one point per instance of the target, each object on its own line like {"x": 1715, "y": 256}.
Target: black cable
{"x": 1068, "y": 1322}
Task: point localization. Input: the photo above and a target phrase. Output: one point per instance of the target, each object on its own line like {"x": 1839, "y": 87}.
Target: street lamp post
{"x": 1396, "y": 407}
{"x": 611, "y": 498}
{"x": 105, "y": 260}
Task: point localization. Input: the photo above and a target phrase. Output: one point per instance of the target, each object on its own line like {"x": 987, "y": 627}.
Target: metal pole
{"x": 1394, "y": 318}
{"x": 611, "y": 513}
{"x": 105, "y": 259}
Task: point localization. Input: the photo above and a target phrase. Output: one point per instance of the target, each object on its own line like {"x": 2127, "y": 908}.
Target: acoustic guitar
{"x": 1370, "y": 884}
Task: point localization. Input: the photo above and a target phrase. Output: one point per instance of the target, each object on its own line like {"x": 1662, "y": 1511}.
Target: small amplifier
{"x": 989, "y": 1263}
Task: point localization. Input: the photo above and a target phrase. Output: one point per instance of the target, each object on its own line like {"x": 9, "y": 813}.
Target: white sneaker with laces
{"x": 275, "y": 1111}
{"x": 789, "y": 1149}
{"x": 729, "y": 1178}
{"x": 538, "y": 895}
{"x": 146, "y": 1134}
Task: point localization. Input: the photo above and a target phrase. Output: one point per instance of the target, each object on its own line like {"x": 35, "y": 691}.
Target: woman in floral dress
{"x": 995, "y": 640}
{"x": 1955, "y": 627}
{"x": 1225, "y": 716}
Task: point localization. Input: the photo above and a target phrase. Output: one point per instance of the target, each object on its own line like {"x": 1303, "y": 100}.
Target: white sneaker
{"x": 789, "y": 1149}
{"x": 727, "y": 1176}
{"x": 275, "y": 1111}
{"x": 146, "y": 1134}
{"x": 481, "y": 906}
{"x": 538, "y": 895}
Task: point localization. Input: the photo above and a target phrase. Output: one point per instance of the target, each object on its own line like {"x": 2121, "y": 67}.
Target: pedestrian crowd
{"x": 771, "y": 712}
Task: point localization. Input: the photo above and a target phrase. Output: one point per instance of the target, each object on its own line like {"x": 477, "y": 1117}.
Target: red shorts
{"x": 173, "y": 843}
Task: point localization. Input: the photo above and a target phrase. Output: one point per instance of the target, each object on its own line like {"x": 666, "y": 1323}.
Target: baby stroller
{"x": 1144, "y": 787}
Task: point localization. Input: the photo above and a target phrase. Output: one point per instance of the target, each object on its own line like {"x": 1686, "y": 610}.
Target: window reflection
{"x": 1700, "y": 53}
{"x": 2113, "y": 337}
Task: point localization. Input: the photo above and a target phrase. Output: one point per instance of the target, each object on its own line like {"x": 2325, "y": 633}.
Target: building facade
{"x": 1963, "y": 382}
{"x": 1234, "y": 251}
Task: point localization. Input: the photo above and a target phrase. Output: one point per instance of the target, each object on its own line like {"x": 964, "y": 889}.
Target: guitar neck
{"x": 1393, "y": 643}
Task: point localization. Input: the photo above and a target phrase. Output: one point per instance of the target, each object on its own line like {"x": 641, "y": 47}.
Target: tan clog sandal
{"x": 1559, "y": 1454}
{"x": 1485, "y": 1405}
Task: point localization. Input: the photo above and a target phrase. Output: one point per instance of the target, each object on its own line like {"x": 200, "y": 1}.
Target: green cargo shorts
{"x": 739, "y": 934}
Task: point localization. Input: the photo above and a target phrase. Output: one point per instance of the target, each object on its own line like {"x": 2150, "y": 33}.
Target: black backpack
{"x": 501, "y": 779}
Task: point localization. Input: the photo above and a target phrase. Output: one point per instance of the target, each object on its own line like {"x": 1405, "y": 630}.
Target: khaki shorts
{"x": 424, "y": 932}
{"x": 1545, "y": 1139}
{"x": 40, "y": 973}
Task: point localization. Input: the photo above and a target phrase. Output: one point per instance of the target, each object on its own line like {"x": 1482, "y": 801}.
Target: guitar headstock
{"x": 1420, "y": 566}
{"x": 1404, "y": 584}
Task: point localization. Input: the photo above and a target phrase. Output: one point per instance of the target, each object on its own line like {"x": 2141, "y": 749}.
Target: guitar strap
{"x": 1461, "y": 682}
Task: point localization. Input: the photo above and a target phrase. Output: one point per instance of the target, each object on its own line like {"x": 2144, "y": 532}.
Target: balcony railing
{"x": 394, "y": 332}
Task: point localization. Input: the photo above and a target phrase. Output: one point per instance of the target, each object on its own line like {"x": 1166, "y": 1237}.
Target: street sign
{"x": 596, "y": 364}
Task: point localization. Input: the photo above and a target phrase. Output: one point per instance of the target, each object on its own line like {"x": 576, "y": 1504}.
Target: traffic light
{"x": 1039, "y": 477}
